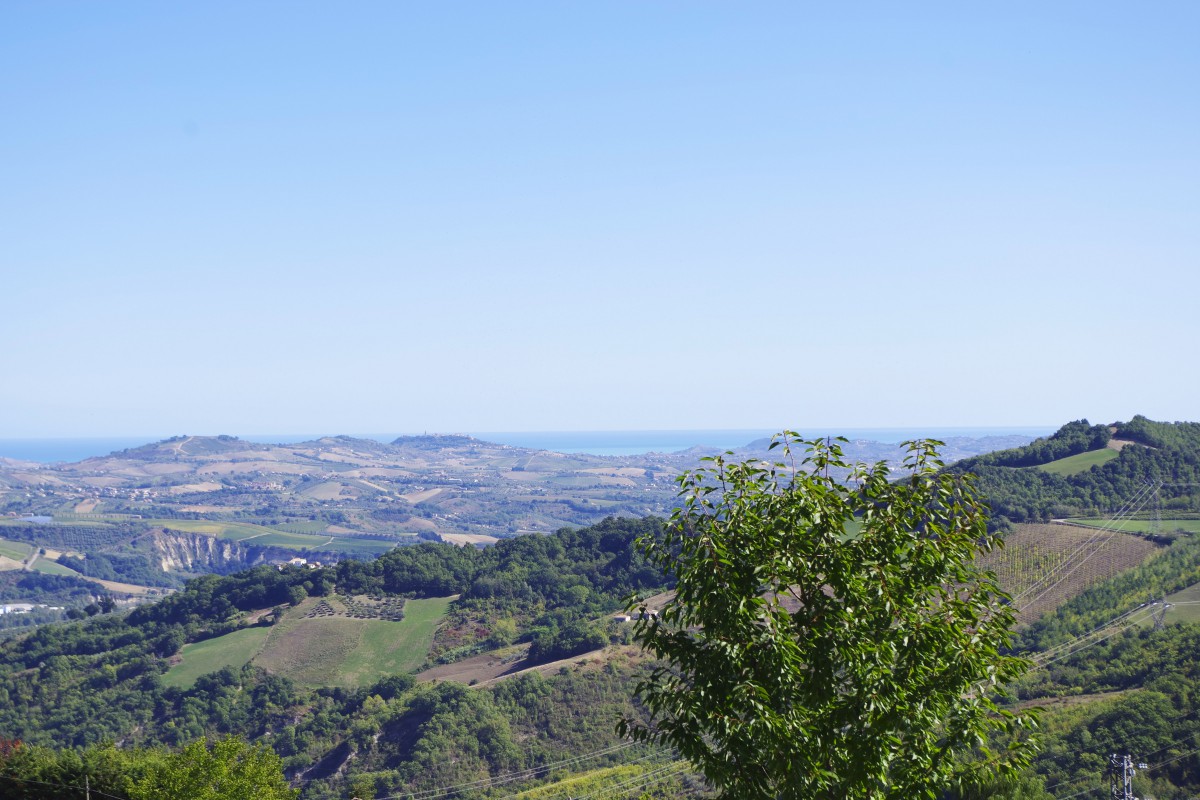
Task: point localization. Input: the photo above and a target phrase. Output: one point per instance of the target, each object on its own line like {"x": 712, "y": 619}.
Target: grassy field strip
{"x": 294, "y": 541}
{"x": 17, "y": 551}
{"x": 1144, "y": 525}
{"x": 291, "y": 541}
{"x": 54, "y": 568}
{"x": 1185, "y": 605}
{"x": 1073, "y": 465}
{"x": 200, "y": 658}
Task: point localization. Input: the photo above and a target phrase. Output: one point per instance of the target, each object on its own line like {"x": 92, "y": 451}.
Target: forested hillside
{"x": 231, "y": 655}
{"x": 103, "y": 679}
{"x": 1114, "y": 681}
{"x": 1020, "y": 486}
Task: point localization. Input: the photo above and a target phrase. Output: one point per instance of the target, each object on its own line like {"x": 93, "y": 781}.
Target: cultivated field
{"x": 195, "y": 488}
{"x": 388, "y": 648}
{"x": 310, "y": 651}
{"x": 235, "y": 531}
{"x": 313, "y": 526}
{"x": 321, "y": 650}
{"x": 125, "y": 588}
{"x": 1043, "y": 566}
{"x": 601, "y": 781}
{"x": 344, "y": 544}
{"x": 420, "y": 497}
{"x": 463, "y": 539}
{"x": 479, "y": 669}
{"x": 263, "y": 536}
{"x": 323, "y": 491}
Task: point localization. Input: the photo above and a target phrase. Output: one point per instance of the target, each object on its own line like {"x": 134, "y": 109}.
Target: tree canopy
{"x": 829, "y": 639}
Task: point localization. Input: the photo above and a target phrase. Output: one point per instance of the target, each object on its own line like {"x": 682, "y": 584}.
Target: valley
{"x": 502, "y": 670}
{"x": 137, "y": 522}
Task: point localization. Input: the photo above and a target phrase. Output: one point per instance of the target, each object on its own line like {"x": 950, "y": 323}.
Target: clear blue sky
{"x": 341, "y": 217}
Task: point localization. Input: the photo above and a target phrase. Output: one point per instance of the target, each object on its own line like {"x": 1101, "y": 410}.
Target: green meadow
{"x": 320, "y": 651}
{"x": 200, "y": 658}
{"x": 53, "y": 568}
{"x": 1144, "y": 525}
{"x": 1073, "y": 465}
{"x": 18, "y": 551}
{"x": 388, "y": 648}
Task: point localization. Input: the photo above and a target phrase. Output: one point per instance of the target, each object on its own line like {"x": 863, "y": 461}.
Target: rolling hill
{"x": 346, "y": 669}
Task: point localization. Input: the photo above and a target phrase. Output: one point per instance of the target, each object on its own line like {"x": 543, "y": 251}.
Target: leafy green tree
{"x": 827, "y": 639}
{"x": 228, "y": 770}
{"x": 1011, "y": 787}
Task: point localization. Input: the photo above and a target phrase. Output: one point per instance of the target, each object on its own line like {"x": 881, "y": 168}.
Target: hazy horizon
{"x": 452, "y": 432}
{"x": 605, "y": 443}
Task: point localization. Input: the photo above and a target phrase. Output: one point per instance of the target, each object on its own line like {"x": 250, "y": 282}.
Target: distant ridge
{"x": 435, "y": 441}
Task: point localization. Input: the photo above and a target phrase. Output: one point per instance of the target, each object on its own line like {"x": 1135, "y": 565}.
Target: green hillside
{"x": 1073, "y": 465}
{"x": 1076, "y": 475}
{"x": 314, "y": 662}
{"x": 52, "y": 568}
{"x": 234, "y": 649}
{"x": 320, "y": 651}
{"x": 388, "y": 648}
{"x": 319, "y": 663}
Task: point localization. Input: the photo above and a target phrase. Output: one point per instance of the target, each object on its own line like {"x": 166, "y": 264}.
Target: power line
{"x": 1101, "y": 635}
{"x": 1098, "y": 629}
{"x": 1150, "y": 768}
{"x": 1118, "y": 517}
{"x": 489, "y": 782}
{"x": 1110, "y": 527}
{"x": 1085, "y": 791}
{"x": 1172, "y": 760}
{"x": 1095, "y": 542}
{"x": 504, "y": 778}
{"x": 639, "y": 781}
{"x": 81, "y": 789}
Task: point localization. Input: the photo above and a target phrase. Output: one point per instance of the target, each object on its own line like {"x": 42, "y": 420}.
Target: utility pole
{"x": 1160, "y": 614}
{"x": 1120, "y": 777}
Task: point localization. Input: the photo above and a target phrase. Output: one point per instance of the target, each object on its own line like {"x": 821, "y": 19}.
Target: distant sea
{"x": 601, "y": 443}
